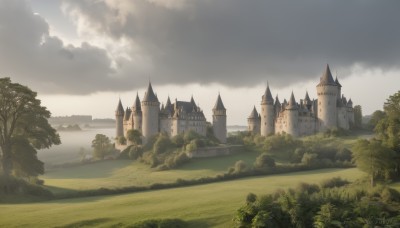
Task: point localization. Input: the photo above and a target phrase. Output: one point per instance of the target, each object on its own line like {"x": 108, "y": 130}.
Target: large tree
{"x": 101, "y": 146}
{"x": 374, "y": 158}
{"x": 357, "y": 116}
{"x": 23, "y": 129}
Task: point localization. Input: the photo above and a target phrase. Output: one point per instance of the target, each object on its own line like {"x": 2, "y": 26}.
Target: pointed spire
{"x": 219, "y": 105}
{"x": 254, "y": 113}
{"x": 267, "y": 97}
{"x": 168, "y": 102}
{"x": 292, "y": 102}
{"x": 337, "y": 82}
{"x": 192, "y": 102}
{"x": 149, "y": 95}
{"x": 307, "y": 98}
{"x": 350, "y": 103}
{"x": 327, "y": 78}
{"x": 277, "y": 102}
{"x": 120, "y": 109}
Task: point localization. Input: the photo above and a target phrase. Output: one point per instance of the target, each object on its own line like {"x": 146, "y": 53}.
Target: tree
{"x": 264, "y": 161}
{"x": 388, "y": 128}
{"x": 134, "y": 136}
{"x": 377, "y": 116}
{"x": 373, "y": 158}
{"x": 102, "y": 146}
{"x": 357, "y": 116}
{"x": 23, "y": 128}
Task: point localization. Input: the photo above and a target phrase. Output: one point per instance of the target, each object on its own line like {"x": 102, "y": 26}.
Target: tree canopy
{"x": 101, "y": 146}
{"x": 24, "y": 128}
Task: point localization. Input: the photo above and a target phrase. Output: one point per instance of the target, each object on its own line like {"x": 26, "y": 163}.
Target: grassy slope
{"x": 203, "y": 206}
{"x": 120, "y": 173}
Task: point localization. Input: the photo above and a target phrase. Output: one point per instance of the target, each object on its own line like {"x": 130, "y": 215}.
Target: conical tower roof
{"x": 192, "y": 102}
{"x": 337, "y": 82}
{"x": 267, "y": 97}
{"x": 219, "y": 105}
{"x": 327, "y": 78}
{"x": 307, "y": 98}
{"x": 168, "y": 102}
{"x": 254, "y": 113}
{"x": 137, "y": 105}
{"x": 149, "y": 95}
{"x": 120, "y": 109}
{"x": 350, "y": 103}
{"x": 277, "y": 102}
{"x": 292, "y": 102}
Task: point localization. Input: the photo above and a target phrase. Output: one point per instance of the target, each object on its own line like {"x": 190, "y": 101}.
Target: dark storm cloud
{"x": 232, "y": 42}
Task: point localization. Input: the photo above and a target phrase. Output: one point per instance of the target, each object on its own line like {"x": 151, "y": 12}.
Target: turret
{"x": 254, "y": 122}
{"x": 350, "y": 112}
{"x": 267, "y": 113}
{"x": 219, "y": 120}
{"x": 292, "y": 115}
{"x": 327, "y": 91}
{"x": 339, "y": 88}
{"x": 150, "y": 112}
{"x": 137, "y": 114}
{"x": 119, "y": 119}
{"x": 277, "y": 106}
{"x": 307, "y": 101}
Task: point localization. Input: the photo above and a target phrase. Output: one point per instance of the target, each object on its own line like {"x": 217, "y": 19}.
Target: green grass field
{"x": 210, "y": 205}
{"x": 122, "y": 173}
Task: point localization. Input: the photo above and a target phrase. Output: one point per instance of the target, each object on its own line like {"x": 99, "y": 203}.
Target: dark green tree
{"x": 264, "y": 161}
{"x": 373, "y": 158}
{"x": 134, "y": 136}
{"x": 101, "y": 146}
{"x": 23, "y": 128}
{"x": 377, "y": 116}
{"x": 357, "y": 116}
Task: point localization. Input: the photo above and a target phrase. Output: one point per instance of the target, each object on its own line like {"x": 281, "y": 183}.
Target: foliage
{"x": 101, "y": 146}
{"x": 377, "y": 116}
{"x": 357, "y": 116}
{"x": 134, "y": 136}
{"x": 264, "y": 161}
{"x": 310, "y": 206}
{"x": 160, "y": 223}
{"x": 25, "y": 160}
{"x": 22, "y": 116}
{"x": 334, "y": 183}
{"x": 135, "y": 151}
{"x": 17, "y": 186}
{"x": 374, "y": 158}
{"x": 121, "y": 140}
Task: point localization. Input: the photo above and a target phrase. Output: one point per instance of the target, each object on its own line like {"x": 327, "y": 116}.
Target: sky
{"x": 81, "y": 56}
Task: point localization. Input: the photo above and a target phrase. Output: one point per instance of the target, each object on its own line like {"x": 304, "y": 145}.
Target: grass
{"x": 123, "y": 173}
{"x": 210, "y": 205}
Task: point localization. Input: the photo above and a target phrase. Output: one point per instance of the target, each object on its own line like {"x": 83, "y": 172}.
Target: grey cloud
{"x": 232, "y": 42}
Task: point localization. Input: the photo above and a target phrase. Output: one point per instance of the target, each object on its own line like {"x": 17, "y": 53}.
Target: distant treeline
{"x": 78, "y": 119}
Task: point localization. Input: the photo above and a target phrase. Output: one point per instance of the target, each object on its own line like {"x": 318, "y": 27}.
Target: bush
{"x": 15, "y": 186}
{"x": 309, "y": 159}
{"x": 343, "y": 154}
{"x": 264, "y": 161}
{"x": 334, "y": 182}
{"x": 240, "y": 166}
{"x": 135, "y": 152}
{"x": 161, "y": 223}
{"x": 307, "y": 188}
{"x": 162, "y": 144}
{"x": 178, "y": 141}
{"x": 390, "y": 195}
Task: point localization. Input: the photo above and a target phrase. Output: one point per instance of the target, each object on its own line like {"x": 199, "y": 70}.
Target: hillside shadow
{"x": 85, "y": 223}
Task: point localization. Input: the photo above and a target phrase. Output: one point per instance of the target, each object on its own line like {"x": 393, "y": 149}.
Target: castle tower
{"x": 350, "y": 112}
{"x": 292, "y": 112}
{"x": 307, "y": 101}
{"x": 267, "y": 113}
{"x": 219, "y": 120}
{"x": 277, "y": 106}
{"x": 327, "y": 95}
{"x": 339, "y": 88}
{"x": 150, "y": 111}
{"x": 119, "y": 120}
{"x": 254, "y": 122}
{"x": 137, "y": 114}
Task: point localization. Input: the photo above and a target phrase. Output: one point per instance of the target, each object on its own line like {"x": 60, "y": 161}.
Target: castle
{"x": 330, "y": 110}
{"x": 172, "y": 119}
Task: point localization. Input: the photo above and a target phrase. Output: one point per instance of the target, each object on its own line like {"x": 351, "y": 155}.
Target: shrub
{"x": 135, "y": 152}
{"x": 240, "y": 166}
{"x": 390, "y": 195}
{"x": 309, "y": 159}
{"x": 343, "y": 154}
{"x": 161, "y": 223}
{"x": 162, "y": 144}
{"x": 307, "y": 188}
{"x": 334, "y": 182}
{"x": 178, "y": 141}
{"x": 264, "y": 161}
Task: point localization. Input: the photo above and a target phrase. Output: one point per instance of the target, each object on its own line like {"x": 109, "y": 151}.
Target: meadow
{"x": 209, "y": 205}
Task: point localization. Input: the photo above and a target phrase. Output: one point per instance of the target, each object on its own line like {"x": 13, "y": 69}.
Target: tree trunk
{"x": 6, "y": 160}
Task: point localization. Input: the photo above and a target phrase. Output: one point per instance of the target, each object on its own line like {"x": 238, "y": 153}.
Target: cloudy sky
{"x": 81, "y": 55}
